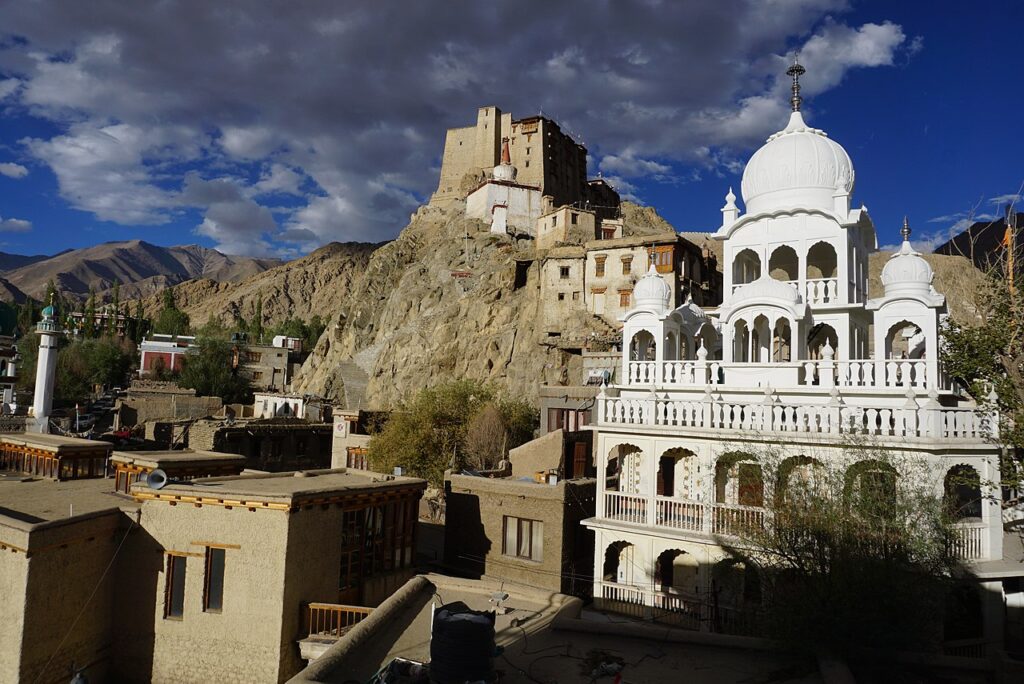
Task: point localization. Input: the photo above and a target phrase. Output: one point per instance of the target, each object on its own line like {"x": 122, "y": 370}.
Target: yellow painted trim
{"x": 215, "y": 545}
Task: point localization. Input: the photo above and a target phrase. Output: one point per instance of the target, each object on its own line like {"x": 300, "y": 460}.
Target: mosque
{"x": 720, "y": 409}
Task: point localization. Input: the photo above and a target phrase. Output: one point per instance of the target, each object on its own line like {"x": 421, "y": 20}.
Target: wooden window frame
{"x": 208, "y": 562}
{"x": 171, "y": 574}
{"x": 627, "y": 265}
{"x": 599, "y": 266}
{"x": 520, "y": 540}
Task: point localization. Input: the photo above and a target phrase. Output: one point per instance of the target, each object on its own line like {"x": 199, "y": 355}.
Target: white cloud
{"x": 12, "y": 170}
{"x": 354, "y": 127}
{"x": 8, "y": 86}
{"x": 13, "y": 225}
{"x": 1011, "y": 198}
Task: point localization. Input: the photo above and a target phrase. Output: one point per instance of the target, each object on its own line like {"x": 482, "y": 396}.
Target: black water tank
{"x": 462, "y": 645}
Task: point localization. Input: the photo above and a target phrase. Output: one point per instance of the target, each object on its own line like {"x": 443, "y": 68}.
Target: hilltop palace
{"x": 796, "y": 361}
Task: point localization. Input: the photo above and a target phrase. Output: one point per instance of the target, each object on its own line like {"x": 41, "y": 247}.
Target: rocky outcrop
{"x": 439, "y": 303}
{"x": 315, "y": 284}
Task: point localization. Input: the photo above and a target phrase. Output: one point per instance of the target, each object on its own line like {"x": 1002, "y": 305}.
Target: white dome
{"x": 766, "y": 287}
{"x": 504, "y": 172}
{"x": 907, "y": 272}
{"x": 798, "y": 167}
{"x": 652, "y": 292}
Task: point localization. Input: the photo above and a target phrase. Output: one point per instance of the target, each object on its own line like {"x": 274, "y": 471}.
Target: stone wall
{"x": 246, "y": 641}
{"x": 477, "y": 508}
{"x": 41, "y": 598}
{"x": 144, "y": 407}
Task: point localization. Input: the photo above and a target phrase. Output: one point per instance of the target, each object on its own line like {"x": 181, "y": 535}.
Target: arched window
{"x": 799, "y": 476}
{"x": 962, "y": 487}
{"x": 871, "y": 488}
{"x": 905, "y": 340}
{"x": 816, "y": 339}
{"x": 618, "y": 559}
{"x": 739, "y": 480}
{"x": 677, "y": 470}
{"x": 746, "y": 267}
{"x": 821, "y": 261}
{"x": 643, "y": 347}
{"x": 622, "y": 471}
{"x": 741, "y": 341}
{"x": 784, "y": 264}
{"x": 676, "y": 570}
{"x": 782, "y": 341}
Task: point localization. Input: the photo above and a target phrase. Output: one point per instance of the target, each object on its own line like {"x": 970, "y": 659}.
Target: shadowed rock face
{"x": 314, "y": 284}
{"x": 421, "y": 314}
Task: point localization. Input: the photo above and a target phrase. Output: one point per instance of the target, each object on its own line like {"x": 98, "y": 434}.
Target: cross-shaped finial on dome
{"x": 905, "y": 230}
{"x": 796, "y": 71}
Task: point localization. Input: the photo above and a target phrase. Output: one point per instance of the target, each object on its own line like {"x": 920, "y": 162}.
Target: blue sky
{"x": 234, "y": 126}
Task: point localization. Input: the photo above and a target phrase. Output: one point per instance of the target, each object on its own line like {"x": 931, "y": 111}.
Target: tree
{"x": 257, "y": 320}
{"x": 428, "y": 434}
{"x": 852, "y": 559}
{"x": 208, "y": 371}
{"x": 116, "y": 306}
{"x": 171, "y": 320}
{"x": 89, "y": 321}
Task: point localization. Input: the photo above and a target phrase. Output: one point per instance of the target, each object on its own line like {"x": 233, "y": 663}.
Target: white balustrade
{"x": 642, "y": 372}
{"x": 969, "y": 541}
{"x": 822, "y": 291}
{"x": 867, "y": 374}
{"x": 629, "y": 508}
{"x": 680, "y": 514}
{"x": 927, "y": 422}
{"x": 733, "y": 519}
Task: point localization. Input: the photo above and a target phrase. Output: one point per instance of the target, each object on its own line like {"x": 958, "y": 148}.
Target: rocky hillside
{"x": 423, "y": 313}
{"x": 315, "y": 284}
{"x": 140, "y": 267}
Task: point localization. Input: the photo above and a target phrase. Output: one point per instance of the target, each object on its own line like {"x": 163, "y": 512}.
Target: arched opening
{"x": 782, "y": 341}
{"x": 736, "y": 584}
{"x": 821, "y": 261}
{"x": 709, "y": 337}
{"x": 741, "y": 341}
{"x": 622, "y": 473}
{"x": 678, "y": 571}
{"x": 816, "y": 339}
{"x": 677, "y": 470}
{"x": 643, "y": 346}
{"x": 798, "y": 477}
{"x": 746, "y": 267}
{"x": 672, "y": 347}
{"x": 962, "y": 487}
{"x": 739, "y": 480}
{"x": 784, "y": 264}
{"x": 871, "y": 488}
{"x": 618, "y": 563}
{"x": 762, "y": 339}
{"x": 905, "y": 340}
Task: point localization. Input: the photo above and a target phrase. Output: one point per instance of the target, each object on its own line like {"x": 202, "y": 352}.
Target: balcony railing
{"x": 863, "y": 374}
{"x": 681, "y": 610}
{"x": 970, "y": 541}
{"x": 628, "y": 508}
{"x": 929, "y": 421}
{"x": 815, "y": 290}
{"x": 333, "y": 619}
{"x": 682, "y": 514}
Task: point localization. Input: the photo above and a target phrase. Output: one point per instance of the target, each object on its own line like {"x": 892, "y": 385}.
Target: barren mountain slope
{"x": 423, "y": 314}
{"x": 315, "y": 284}
{"x": 132, "y": 261}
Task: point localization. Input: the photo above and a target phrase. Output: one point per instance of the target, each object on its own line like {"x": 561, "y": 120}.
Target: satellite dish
{"x": 156, "y": 479}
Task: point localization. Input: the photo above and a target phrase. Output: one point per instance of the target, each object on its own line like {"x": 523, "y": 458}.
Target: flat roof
{"x": 51, "y": 442}
{"x": 546, "y": 639}
{"x": 164, "y": 459}
{"x": 631, "y": 241}
{"x": 33, "y": 499}
{"x": 278, "y": 487}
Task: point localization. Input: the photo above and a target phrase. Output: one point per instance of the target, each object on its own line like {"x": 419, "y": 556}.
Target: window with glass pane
{"x": 213, "y": 596}
{"x": 523, "y": 538}
{"x": 174, "y": 592}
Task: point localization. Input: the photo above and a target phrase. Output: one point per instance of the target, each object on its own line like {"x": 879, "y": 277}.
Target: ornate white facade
{"x": 796, "y": 360}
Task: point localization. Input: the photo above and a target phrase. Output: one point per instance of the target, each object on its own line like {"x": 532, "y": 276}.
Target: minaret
{"x": 46, "y": 366}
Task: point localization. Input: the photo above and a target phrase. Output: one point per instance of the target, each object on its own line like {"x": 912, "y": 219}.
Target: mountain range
{"x": 139, "y": 267}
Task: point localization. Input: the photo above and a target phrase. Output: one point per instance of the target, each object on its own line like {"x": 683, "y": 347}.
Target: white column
{"x": 46, "y": 366}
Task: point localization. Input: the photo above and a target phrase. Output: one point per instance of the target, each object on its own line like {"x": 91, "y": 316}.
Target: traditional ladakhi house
{"x": 796, "y": 360}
